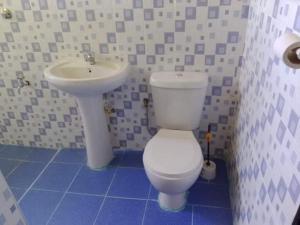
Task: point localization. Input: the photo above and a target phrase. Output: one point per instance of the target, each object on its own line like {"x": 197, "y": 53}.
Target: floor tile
{"x": 15, "y": 152}
{"x": 7, "y": 165}
{"x": 121, "y": 211}
{"x": 92, "y": 182}
{"x": 221, "y": 173}
{"x": 18, "y": 192}
{"x": 25, "y": 174}
{"x": 118, "y": 155}
{"x": 153, "y": 193}
{"x": 130, "y": 182}
{"x": 132, "y": 159}
{"x": 212, "y": 216}
{"x": 37, "y": 206}
{"x": 77, "y": 209}
{"x": 209, "y": 195}
{"x": 57, "y": 177}
{"x": 155, "y": 215}
{"x": 41, "y": 155}
{"x": 71, "y": 156}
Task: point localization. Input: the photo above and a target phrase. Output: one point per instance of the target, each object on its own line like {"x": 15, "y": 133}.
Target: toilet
{"x": 173, "y": 158}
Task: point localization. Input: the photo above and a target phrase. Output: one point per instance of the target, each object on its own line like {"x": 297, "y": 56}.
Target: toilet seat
{"x": 173, "y": 154}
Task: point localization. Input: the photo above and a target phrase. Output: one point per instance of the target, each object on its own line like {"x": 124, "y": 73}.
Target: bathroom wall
{"x": 10, "y": 212}
{"x": 265, "y": 157}
{"x": 153, "y": 35}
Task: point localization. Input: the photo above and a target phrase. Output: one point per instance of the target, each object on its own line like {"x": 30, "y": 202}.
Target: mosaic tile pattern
{"x": 265, "y": 156}
{"x": 152, "y": 35}
{"x": 9, "y": 210}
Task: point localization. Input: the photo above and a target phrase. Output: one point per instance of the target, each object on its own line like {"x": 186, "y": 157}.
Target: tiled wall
{"x": 153, "y": 35}
{"x": 9, "y": 210}
{"x": 265, "y": 156}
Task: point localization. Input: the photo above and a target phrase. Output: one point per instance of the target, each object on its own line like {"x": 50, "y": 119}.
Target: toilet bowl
{"x": 173, "y": 158}
{"x": 173, "y": 161}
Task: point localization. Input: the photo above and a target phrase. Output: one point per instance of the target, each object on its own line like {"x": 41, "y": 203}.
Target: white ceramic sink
{"x": 78, "y": 77}
{"x": 87, "y": 83}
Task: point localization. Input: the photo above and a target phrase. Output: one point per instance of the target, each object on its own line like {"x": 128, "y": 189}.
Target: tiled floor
{"x": 56, "y": 188}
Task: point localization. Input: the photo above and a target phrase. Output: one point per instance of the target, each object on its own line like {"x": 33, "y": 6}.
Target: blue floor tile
{"x": 77, "y": 209}
{"x": 41, "y": 155}
{"x": 121, "y": 211}
{"x": 15, "y": 152}
{"x": 37, "y": 206}
{"x": 130, "y": 182}
{"x": 118, "y": 155}
{"x": 209, "y": 195}
{"x": 71, "y": 156}
{"x": 57, "y": 177}
{"x": 92, "y": 182}
{"x": 18, "y": 192}
{"x": 156, "y": 216}
{"x": 221, "y": 172}
{"x": 153, "y": 193}
{"x": 25, "y": 174}
{"x": 212, "y": 216}
{"x": 7, "y": 165}
{"x": 132, "y": 159}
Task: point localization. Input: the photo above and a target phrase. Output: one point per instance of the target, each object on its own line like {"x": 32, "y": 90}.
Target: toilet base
{"x": 172, "y": 202}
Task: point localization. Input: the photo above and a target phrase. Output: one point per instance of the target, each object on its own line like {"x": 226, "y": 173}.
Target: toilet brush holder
{"x": 208, "y": 170}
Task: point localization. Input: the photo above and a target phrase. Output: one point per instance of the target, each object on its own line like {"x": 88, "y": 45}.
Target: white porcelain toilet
{"x": 173, "y": 158}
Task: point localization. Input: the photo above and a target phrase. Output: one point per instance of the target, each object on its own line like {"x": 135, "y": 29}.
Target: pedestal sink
{"x": 87, "y": 83}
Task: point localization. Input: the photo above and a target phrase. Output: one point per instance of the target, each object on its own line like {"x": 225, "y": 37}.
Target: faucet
{"x": 90, "y": 58}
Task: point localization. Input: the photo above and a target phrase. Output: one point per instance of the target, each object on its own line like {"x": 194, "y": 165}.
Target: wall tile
{"x": 197, "y": 35}
{"x": 264, "y": 157}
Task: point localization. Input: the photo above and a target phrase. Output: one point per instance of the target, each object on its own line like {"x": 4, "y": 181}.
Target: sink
{"x": 77, "y": 77}
{"x": 87, "y": 83}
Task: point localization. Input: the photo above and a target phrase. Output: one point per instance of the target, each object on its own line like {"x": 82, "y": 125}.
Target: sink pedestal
{"x": 98, "y": 143}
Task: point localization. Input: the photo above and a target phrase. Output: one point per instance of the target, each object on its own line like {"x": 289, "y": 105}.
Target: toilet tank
{"x": 178, "y": 99}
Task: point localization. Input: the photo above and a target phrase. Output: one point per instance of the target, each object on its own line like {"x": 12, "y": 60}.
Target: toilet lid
{"x": 173, "y": 153}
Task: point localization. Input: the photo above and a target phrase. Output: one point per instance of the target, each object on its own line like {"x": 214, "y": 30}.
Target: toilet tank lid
{"x": 179, "y": 80}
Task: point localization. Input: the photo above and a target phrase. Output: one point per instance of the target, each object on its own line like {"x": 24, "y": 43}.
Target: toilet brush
{"x": 209, "y": 167}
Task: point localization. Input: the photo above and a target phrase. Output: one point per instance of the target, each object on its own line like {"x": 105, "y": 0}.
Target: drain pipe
{"x": 146, "y": 105}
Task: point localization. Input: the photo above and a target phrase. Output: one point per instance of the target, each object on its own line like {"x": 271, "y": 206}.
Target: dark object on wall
{"x": 297, "y": 217}
{"x": 6, "y": 13}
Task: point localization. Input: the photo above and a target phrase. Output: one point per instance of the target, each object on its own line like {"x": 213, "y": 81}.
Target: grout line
{"x": 87, "y": 194}
{"x": 126, "y": 198}
{"x": 13, "y": 170}
{"x": 192, "y": 215}
{"x": 131, "y": 167}
{"x": 70, "y": 163}
{"x": 105, "y": 196}
{"x": 146, "y": 205}
{"x": 40, "y": 174}
{"x": 44, "y": 189}
{"x": 63, "y": 196}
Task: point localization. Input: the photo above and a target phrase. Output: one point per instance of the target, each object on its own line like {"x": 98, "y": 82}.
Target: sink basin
{"x": 87, "y": 83}
{"x": 77, "y": 77}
